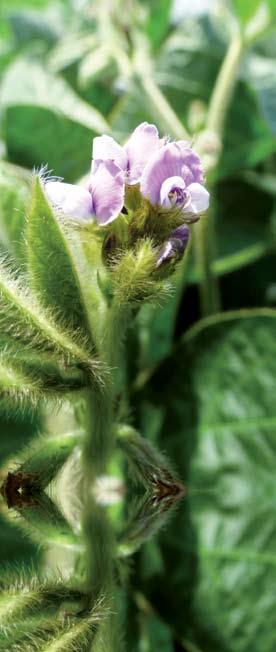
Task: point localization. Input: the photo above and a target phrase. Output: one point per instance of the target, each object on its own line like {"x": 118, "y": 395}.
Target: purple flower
{"x": 174, "y": 247}
{"x": 173, "y": 177}
{"x": 104, "y": 197}
{"x": 131, "y": 158}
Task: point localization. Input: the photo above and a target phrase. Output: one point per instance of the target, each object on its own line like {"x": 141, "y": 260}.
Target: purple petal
{"x": 166, "y": 254}
{"x": 199, "y": 198}
{"x": 107, "y": 188}
{"x": 143, "y": 142}
{"x": 169, "y": 186}
{"x": 192, "y": 170}
{"x": 166, "y": 162}
{"x": 105, "y": 148}
{"x": 182, "y": 233}
{"x": 173, "y": 159}
{"x": 72, "y": 200}
{"x": 174, "y": 247}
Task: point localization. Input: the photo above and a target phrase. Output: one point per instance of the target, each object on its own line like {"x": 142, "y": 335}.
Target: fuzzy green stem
{"x": 209, "y": 284}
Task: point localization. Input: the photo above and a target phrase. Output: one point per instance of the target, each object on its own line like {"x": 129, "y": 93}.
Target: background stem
{"x": 162, "y": 109}
{"x": 222, "y": 93}
{"x": 205, "y": 237}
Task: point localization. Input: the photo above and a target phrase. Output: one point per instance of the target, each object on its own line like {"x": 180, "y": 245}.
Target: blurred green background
{"x": 73, "y": 69}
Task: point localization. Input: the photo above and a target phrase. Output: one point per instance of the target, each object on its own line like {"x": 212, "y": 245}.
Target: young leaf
{"x": 45, "y": 456}
{"x": 246, "y": 9}
{"x": 14, "y": 192}
{"x": 16, "y": 386}
{"x": 38, "y": 516}
{"x": 24, "y": 320}
{"x": 52, "y": 271}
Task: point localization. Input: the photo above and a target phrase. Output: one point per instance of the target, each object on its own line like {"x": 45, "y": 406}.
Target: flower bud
{"x": 174, "y": 248}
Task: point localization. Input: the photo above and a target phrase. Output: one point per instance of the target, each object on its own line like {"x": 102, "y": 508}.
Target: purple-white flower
{"x": 133, "y": 156}
{"x": 173, "y": 177}
{"x": 104, "y": 197}
{"x": 169, "y": 174}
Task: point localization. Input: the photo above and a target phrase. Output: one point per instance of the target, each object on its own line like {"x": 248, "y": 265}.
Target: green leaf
{"x": 245, "y": 210}
{"x": 266, "y": 182}
{"x": 46, "y": 455}
{"x": 25, "y": 321}
{"x": 219, "y": 428}
{"x": 260, "y": 71}
{"x": 159, "y": 21}
{"x": 52, "y": 270}
{"x": 36, "y": 136}
{"x": 246, "y": 143}
{"x": 28, "y": 83}
{"x": 14, "y": 192}
{"x": 154, "y": 634}
{"x": 246, "y": 9}
{"x": 16, "y": 386}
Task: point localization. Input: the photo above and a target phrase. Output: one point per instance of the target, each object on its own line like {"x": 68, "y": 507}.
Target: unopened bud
{"x": 174, "y": 248}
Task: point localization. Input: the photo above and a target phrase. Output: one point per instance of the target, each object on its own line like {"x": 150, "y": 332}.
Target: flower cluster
{"x": 167, "y": 174}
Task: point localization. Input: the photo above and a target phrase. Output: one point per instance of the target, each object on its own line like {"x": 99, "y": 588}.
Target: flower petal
{"x": 107, "y": 188}
{"x": 174, "y": 247}
{"x": 143, "y": 142}
{"x": 199, "y": 198}
{"x": 166, "y": 162}
{"x": 105, "y": 148}
{"x": 166, "y": 188}
{"x": 72, "y": 200}
{"x": 192, "y": 170}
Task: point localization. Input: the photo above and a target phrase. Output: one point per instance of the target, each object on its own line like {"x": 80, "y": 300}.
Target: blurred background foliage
{"x": 72, "y": 69}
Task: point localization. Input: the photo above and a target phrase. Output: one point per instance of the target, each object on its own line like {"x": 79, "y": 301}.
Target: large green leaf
{"x": 52, "y": 270}
{"x": 217, "y": 396}
{"x": 36, "y": 137}
{"x": 29, "y": 83}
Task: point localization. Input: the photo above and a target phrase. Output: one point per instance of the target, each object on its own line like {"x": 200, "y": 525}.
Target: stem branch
{"x": 222, "y": 93}
{"x": 204, "y": 231}
{"x": 162, "y": 108}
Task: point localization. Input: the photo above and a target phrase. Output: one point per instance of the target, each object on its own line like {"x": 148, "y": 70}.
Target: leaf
{"x": 16, "y": 386}
{"x": 266, "y": 182}
{"x": 14, "y": 192}
{"x": 23, "y": 320}
{"x": 28, "y": 25}
{"x": 71, "y": 49}
{"x": 246, "y": 211}
{"x": 46, "y": 455}
{"x": 29, "y": 83}
{"x": 93, "y": 65}
{"x": 37, "y": 136}
{"x": 219, "y": 428}
{"x": 159, "y": 21}
{"x": 155, "y": 635}
{"x": 260, "y": 71}
{"x": 52, "y": 270}
{"x": 246, "y": 143}
{"x": 246, "y": 9}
